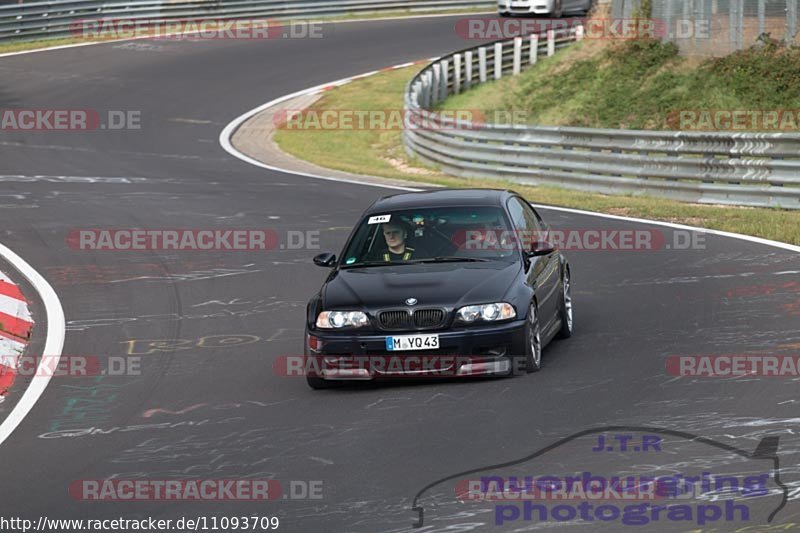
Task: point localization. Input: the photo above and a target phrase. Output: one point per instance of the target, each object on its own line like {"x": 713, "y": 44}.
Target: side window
{"x": 523, "y": 216}
{"x": 542, "y": 223}
{"x": 532, "y": 219}
{"x": 517, "y": 212}
{"x": 527, "y": 223}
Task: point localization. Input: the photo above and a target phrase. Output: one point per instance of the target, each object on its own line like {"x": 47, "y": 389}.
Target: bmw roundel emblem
{"x": 411, "y": 301}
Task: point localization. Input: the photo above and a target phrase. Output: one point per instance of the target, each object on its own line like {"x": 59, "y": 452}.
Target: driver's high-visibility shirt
{"x": 389, "y": 257}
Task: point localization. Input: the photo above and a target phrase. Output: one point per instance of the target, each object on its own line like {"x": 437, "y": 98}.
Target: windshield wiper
{"x": 375, "y": 263}
{"x": 442, "y": 259}
{"x": 451, "y": 259}
{"x": 364, "y": 264}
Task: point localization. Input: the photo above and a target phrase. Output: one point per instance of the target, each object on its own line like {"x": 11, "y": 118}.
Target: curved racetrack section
{"x": 207, "y": 326}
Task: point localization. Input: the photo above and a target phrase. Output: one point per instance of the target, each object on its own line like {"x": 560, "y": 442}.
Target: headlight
{"x": 486, "y": 312}
{"x": 341, "y": 319}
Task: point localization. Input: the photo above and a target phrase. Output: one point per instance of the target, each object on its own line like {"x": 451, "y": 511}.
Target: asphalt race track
{"x": 208, "y": 325}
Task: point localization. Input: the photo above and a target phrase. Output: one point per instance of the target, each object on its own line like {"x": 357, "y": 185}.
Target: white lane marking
{"x": 60, "y": 47}
{"x": 16, "y": 308}
{"x": 322, "y": 21}
{"x": 53, "y": 345}
{"x": 740, "y": 236}
{"x": 68, "y": 179}
{"x": 226, "y": 134}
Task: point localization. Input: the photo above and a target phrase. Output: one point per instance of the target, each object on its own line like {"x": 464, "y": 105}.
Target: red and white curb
{"x": 15, "y": 330}
{"x": 53, "y": 339}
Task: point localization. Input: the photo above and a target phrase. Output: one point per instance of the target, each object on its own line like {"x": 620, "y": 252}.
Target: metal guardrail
{"x": 40, "y": 20}
{"x": 750, "y": 169}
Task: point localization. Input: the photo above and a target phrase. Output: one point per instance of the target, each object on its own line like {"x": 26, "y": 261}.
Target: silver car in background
{"x": 553, "y": 8}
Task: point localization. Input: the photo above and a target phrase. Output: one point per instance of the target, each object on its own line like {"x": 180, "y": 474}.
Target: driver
{"x": 395, "y": 235}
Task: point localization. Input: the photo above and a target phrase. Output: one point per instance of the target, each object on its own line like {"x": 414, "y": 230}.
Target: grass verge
{"x": 645, "y": 84}
{"x": 380, "y": 153}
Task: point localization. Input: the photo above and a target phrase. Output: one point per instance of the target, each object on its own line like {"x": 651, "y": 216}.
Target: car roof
{"x": 441, "y": 198}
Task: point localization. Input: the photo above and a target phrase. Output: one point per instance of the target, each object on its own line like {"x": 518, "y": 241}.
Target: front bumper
{"x": 474, "y": 351}
{"x": 525, "y": 7}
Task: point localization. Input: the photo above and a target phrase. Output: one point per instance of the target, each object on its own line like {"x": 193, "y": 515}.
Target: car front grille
{"x": 395, "y": 320}
{"x": 428, "y": 318}
{"x": 417, "y": 319}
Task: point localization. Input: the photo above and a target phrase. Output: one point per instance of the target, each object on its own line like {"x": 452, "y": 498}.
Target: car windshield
{"x": 431, "y": 235}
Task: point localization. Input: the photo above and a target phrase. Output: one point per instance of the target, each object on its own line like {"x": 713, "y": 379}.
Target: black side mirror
{"x": 541, "y": 248}
{"x": 325, "y": 259}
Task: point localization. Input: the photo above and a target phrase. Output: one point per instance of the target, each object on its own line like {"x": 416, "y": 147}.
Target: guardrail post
{"x": 551, "y": 42}
{"x": 482, "y": 64}
{"x": 437, "y": 74}
{"x": 616, "y": 9}
{"x": 791, "y": 20}
{"x": 468, "y": 69}
{"x": 517, "y": 55}
{"x": 432, "y": 89}
{"x": 579, "y": 33}
{"x": 534, "y": 49}
{"x": 668, "y": 26}
{"x": 456, "y": 73}
{"x": 425, "y": 96}
{"x": 445, "y": 79}
{"x": 734, "y": 25}
{"x": 498, "y": 60}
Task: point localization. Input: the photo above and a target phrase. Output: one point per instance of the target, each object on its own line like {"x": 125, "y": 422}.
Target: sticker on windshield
{"x": 379, "y": 219}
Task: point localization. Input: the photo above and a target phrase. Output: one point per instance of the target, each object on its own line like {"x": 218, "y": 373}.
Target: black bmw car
{"x": 444, "y": 283}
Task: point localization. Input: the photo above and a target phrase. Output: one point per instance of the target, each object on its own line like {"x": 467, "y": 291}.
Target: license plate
{"x": 412, "y": 342}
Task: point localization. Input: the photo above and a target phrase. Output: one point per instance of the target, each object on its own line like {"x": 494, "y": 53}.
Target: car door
{"x": 542, "y": 273}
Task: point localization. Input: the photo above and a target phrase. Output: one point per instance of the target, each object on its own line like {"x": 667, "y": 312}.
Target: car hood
{"x": 443, "y": 284}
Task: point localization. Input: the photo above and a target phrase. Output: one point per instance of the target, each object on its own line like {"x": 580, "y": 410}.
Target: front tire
{"x": 533, "y": 342}
{"x": 565, "y": 306}
{"x": 558, "y": 9}
{"x": 319, "y": 383}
